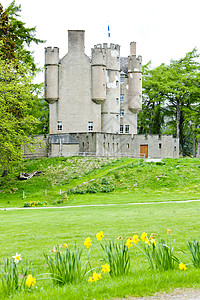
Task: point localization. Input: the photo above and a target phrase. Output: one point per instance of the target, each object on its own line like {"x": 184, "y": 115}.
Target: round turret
{"x": 98, "y": 74}
{"x": 51, "y": 74}
{"x": 134, "y": 81}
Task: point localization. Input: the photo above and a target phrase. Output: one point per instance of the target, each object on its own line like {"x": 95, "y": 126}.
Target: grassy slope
{"x": 134, "y": 180}
{"x": 34, "y": 232}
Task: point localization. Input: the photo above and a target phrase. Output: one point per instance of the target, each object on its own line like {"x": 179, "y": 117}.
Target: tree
{"x": 16, "y": 37}
{"x": 16, "y": 122}
{"x": 18, "y": 94}
{"x": 173, "y": 97}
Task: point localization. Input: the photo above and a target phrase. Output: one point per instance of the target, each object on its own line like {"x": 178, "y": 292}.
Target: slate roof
{"x": 124, "y": 64}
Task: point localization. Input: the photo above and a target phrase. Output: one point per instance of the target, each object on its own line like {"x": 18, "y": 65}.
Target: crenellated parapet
{"x": 51, "y": 56}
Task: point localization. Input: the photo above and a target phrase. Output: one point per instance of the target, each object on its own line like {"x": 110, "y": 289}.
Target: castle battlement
{"x": 51, "y": 49}
{"x": 107, "y": 46}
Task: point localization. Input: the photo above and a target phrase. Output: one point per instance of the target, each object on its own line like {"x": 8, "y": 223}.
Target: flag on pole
{"x": 108, "y": 31}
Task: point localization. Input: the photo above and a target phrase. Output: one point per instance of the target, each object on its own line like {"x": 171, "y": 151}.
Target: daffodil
{"x": 64, "y": 245}
{"x": 168, "y": 231}
{"x": 182, "y": 266}
{"x": 96, "y": 276}
{"x": 30, "y": 281}
{"x": 129, "y": 243}
{"x": 17, "y": 258}
{"x": 88, "y": 242}
{"x": 144, "y": 237}
{"x": 90, "y": 279}
{"x": 120, "y": 238}
{"x": 105, "y": 268}
{"x": 100, "y": 235}
{"x": 135, "y": 239}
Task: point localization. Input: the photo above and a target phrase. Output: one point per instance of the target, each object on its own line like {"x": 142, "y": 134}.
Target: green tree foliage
{"x": 23, "y": 111}
{"x": 15, "y": 102}
{"x": 171, "y": 100}
{"x": 16, "y": 37}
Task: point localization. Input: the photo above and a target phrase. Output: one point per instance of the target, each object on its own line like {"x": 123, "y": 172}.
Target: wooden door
{"x": 144, "y": 151}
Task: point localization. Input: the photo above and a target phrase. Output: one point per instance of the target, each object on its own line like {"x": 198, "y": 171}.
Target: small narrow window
{"x": 117, "y": 58}
{"x": 122, "y": 78}
{"x": 121, "y": 128}
{"x": 108, "y": 145}
{"x": 90, "y": 126}
{"x": 121, "y": 98}
{"x": 117, "y": 117}
{"x": 59, "y": 125}
{"x": 160, "y": 146}
{"x": 83, "y": 144}
{"x": 117, "y": 101}
{"x": 121, "y": 113}
{"x": 127, "y": 146}
{"x": 117, "y": 82}
{"x": 104, "y": 144}
{"x": 126, "y": 128}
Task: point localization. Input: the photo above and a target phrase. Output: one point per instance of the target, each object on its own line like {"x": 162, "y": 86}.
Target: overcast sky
{"x": 163, "y": 29}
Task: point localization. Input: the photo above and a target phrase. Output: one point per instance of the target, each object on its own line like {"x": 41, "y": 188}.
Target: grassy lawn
{"x": 35, "y": 232}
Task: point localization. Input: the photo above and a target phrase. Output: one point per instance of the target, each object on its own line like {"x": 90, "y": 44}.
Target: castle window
{"x": 117, "y": 82}
{"x": 90, "y": 126}
{"x": 122, "y": 78}
{"x": 117, "y": 58}
{"x": 126, "y": 128}
{"x": 127, "y": 146}
{"x": 121, "y": 98}
{"x": 160, "y": 145}
{"x": 121, "y": 128}
{"x": 117, "y": 117}
{"x": 59, "y": 125}
{"x": 121, "y": 113}
{"x": 117, "y": 101}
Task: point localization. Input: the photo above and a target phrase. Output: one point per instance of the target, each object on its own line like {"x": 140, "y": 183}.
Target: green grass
{"x": 35, "y": 232}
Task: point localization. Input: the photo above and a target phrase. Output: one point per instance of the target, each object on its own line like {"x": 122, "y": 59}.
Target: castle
{"x": 94, "y": 103}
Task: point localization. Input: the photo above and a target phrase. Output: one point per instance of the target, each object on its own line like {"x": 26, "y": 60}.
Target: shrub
{"x": 35, "y": 203}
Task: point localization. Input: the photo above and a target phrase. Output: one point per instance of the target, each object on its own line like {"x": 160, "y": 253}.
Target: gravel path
{"x": 177, "y": 294}
{"x": 100, "y": 205}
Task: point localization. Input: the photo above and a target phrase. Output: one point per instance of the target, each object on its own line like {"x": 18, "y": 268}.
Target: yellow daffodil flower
{"x": 105, "y": 268}
{"x": 144, "y": 237}
{"x": 100, "y": 235}
{"x": 168, "y": 231}
{"x": 88, "y": 243}
{"x": 135, "y": 239}
{"x": 30, "y": 281}
{"x": 129, "y": 243}
{"x": 96, "y": 276}
{"x": 64, "y": 245}
{"x": 17, "y": 258}
{"x": 182, "y": 266}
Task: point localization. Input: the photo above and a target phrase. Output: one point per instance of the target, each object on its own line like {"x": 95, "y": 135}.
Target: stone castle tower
{"x": 98, "y": 94}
